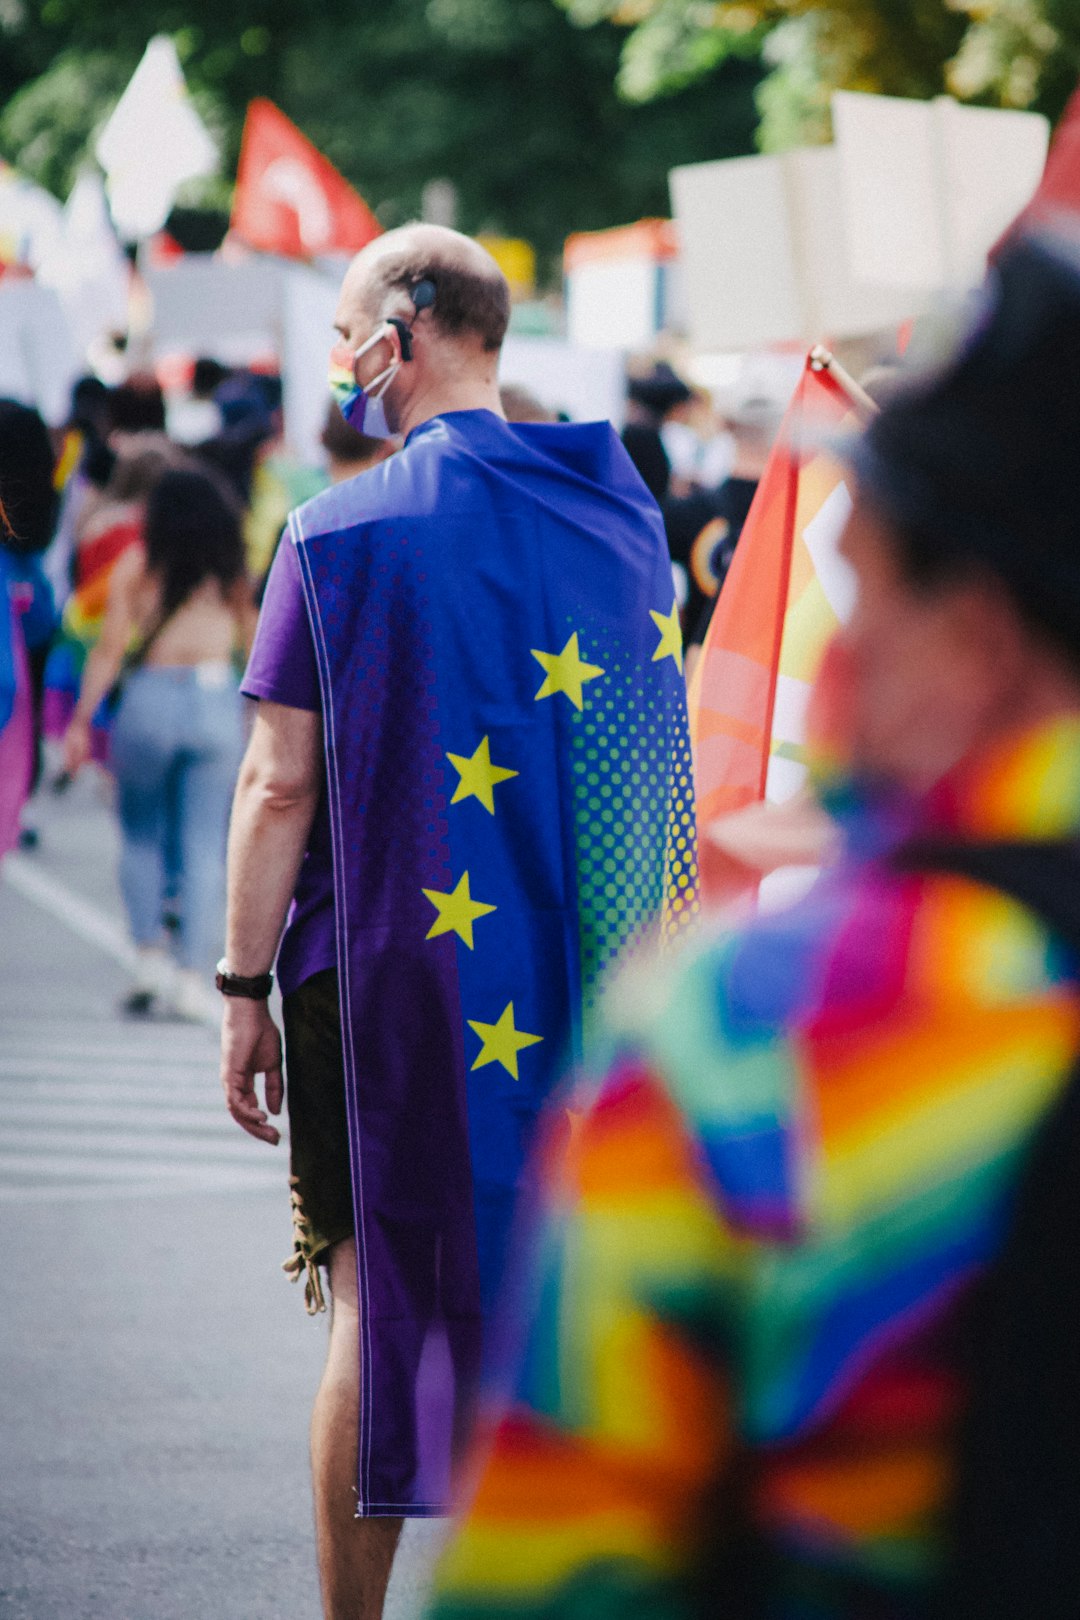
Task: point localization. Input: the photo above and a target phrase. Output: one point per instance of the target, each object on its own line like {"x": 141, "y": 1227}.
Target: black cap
{"x": 981, "y": 460}
{"x": 660, "y": 389}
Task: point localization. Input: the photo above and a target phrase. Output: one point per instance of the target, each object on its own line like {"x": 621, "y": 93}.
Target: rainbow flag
{"x": 787, "y": 593}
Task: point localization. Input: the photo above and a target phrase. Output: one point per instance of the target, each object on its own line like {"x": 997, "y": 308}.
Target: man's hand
{"x": 251, "y": 1045}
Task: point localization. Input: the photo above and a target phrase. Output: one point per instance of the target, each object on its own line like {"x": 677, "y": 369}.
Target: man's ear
{"x": 400, "y": 338}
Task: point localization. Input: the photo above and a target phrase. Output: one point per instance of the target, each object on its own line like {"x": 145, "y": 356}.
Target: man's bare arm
{"x": 276, "y": 798}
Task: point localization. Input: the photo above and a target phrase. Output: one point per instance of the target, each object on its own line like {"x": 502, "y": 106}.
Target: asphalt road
{"x": 156, "y": 1368}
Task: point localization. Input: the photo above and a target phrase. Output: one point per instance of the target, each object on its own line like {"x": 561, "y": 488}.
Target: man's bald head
{"x": 472, "y": 296}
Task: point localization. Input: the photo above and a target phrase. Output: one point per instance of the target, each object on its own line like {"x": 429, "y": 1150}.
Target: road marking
{"x": 118, "y": 1146}
{"x": 194, "y": 1095}
{"x": 85, "y": 920}
{"x": 103, "y": 1169}
{"x": 37, "y": 1193}
{"x": 19, "y": 1047}
{"x": 19, "y": 1110}
{"x": 127, "y": 1068}
{"x": 29, "y": 1044}
{"x": 74, "y": 1125}
{"x": 190, "y": 1176}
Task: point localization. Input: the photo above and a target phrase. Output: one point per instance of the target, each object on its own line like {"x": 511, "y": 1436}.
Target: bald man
{"x": 468, "y": 785}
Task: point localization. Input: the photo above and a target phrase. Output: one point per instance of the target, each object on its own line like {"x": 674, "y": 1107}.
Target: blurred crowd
{"x": 135, "y": 545}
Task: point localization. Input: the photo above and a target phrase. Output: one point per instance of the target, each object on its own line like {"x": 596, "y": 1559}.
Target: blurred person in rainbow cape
{"x": 470, "y": 774}
{"x": 109, "y": 524}
{"x": 792, "y": 1328}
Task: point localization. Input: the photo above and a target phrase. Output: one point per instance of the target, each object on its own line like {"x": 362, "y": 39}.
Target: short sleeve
{"x": 282, "y": 667}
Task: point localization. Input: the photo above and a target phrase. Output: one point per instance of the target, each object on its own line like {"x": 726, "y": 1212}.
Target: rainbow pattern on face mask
{"x": 343, "y": 384}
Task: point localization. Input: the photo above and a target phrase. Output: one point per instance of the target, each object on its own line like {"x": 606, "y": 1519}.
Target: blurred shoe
{"x": 154, "y": 973}
{"x": 193, "y": 1000}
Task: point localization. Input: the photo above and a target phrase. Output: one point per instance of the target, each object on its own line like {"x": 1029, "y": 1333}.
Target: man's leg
{"x": 355, "y": 1555}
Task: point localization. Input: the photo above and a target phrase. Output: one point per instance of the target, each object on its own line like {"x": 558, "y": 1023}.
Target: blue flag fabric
{"x": 511, "y": 804}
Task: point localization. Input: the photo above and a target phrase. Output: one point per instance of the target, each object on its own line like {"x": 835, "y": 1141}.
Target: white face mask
{"x": 362, "y": 407}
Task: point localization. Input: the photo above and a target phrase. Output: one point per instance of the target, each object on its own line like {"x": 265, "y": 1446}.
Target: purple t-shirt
{"x": 282, "y": 669}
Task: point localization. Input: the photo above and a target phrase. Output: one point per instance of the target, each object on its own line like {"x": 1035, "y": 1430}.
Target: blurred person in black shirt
{"x": 649, "y": 400}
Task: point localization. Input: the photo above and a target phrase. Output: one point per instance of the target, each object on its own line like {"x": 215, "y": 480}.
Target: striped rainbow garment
{"x": 756, "y": 1236}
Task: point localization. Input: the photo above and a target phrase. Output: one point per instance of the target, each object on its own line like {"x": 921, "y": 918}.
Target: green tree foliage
{"x": 506, "y": 98}
{"x": 1010, "y": 53}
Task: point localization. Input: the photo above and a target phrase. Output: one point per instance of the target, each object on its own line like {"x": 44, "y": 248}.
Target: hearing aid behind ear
{"x": 423, "y": 297}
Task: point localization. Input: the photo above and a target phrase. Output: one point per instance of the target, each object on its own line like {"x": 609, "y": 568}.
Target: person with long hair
{"x": 109, "y": 524}
{"x": 179, "y": 609}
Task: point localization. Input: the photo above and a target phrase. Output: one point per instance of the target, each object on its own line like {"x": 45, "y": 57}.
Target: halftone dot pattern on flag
{"x": 633, "y": 810}
{"x": 681, "y": 903}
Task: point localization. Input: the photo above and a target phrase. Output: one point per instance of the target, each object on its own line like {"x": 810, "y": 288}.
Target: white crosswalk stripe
{"x": 128, "y": 1110}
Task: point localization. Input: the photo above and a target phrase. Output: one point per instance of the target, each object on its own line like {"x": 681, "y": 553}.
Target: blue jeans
{"x": 176, "y": 744}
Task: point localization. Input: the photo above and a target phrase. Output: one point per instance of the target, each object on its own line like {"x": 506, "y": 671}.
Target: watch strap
{"x": 257, "y": 988}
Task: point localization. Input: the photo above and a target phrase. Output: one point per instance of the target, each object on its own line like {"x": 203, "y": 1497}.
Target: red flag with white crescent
{"x": 290, "y": 199}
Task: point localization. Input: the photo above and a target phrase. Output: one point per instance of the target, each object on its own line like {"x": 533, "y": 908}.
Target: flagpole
{"x": 822, "y": 359}
{"x": 791, "y": 506}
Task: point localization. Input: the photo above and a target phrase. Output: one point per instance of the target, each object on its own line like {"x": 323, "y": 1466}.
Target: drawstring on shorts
{"x": 303, "y": 1262}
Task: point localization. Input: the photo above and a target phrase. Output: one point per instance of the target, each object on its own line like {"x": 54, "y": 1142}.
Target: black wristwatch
{"x": 234, "y": 984}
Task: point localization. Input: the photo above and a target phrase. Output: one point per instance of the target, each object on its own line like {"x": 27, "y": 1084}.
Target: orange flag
{"x": 289, "y": 198}
{"x": 786, "y": 594}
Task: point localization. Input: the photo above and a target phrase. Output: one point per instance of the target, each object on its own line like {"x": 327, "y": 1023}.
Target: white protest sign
{"x": 929, "y": 186}
{"x": 764, "y": 255}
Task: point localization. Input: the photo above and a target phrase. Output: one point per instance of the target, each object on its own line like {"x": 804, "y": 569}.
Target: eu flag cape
{"x": 511, "y": 803}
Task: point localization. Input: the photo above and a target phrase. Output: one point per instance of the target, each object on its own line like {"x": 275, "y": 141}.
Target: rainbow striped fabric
{"x": 756, "y": 1235}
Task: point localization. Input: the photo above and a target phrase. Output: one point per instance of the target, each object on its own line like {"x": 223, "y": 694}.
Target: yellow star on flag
{"x": 502, "y": 1042}
{"x": 565, "y": 672}
{"x": 670, "y": 635}
{"x": 478, "y": 776}
{"x": 457, "y": 911}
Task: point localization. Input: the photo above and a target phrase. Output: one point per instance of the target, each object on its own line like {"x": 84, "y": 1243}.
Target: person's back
{"x": 471, "y": 757}
{"x": 498, "y": 644}
{"x": 179, "y": 609}
{"x": 545, "y": 567}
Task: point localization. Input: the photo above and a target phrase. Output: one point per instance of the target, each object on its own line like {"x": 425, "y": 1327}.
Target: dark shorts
{"x": 320, "y": 1179}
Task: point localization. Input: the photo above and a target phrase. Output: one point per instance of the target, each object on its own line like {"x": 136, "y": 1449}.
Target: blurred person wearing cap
{"x": 797, "y": 1318}
{"x": 468, "y": 788}
{"x": 650, "y": 399}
